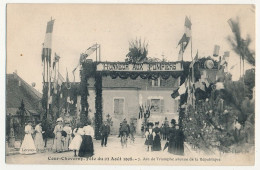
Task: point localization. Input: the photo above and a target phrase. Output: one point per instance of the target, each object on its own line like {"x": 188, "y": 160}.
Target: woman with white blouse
{"x": 28, "y": 146}
{"x": 87, "y": 148}
{"x": 38, "y": 139}
{"x": 57, "y": 143}
{"x": 77, "y": 140}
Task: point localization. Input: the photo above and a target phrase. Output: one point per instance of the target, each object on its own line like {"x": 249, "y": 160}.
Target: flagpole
{"x": 99, "y": 53}
{"x": 96, "y": 52}
{"x": 50, "y": 73}
{"x": 58, "y": 102}
{"x": 192, "y": 69}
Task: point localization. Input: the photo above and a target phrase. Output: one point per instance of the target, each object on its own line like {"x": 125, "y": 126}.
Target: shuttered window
{"x": 119, "y": 106}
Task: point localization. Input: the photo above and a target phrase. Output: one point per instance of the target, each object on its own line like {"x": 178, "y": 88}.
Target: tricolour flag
{"x": 187, "y": 25}
{"x": 181, "y": 90}
{"x": 60, "y": 79}
{"x": 91, "y": 50}
{"x": 46, "y": 51}
{"x": 83, "y": 56}
{"x": 184, "y": 40}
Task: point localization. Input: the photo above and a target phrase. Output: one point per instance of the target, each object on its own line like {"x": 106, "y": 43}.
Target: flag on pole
{"x": 187, "y": 22}
{"x": 87, "y": 53}
{"x": 187, "y": 25}
{"x": 46, "y": 51}
{"x": 180, "y": 55}
{"x": 194, "y": 60}
{"x": 56, "y": 59}
{"x": 67, "y": 80}
{"x": 232, "y": 24}
{"x": 181, "y": 90}
{"x": 91, "y": 50}
{"x": 184, "y": 40}
{"x": 60, "y": 79}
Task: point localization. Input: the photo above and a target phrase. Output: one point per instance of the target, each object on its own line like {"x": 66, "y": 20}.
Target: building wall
{"x": 133, "y": 98}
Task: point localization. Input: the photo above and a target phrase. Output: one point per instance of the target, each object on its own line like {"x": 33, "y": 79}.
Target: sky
{"x": 77, "y": 27}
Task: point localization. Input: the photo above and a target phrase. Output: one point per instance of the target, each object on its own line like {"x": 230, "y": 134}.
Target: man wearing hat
{"x": 172, "y": 130}
{"x": 57, "y": 143}
{"x": 156, "y": 138}
{"x": 105, "y": 131}
{"x": 179, "y": 141}
{"x": 68, "y": 138}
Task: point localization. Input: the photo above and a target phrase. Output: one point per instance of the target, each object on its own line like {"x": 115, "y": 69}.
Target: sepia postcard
{"x": 130, "y": 84}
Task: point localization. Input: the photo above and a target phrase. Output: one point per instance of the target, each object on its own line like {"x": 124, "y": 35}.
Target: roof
{"x": 16, "y": 92}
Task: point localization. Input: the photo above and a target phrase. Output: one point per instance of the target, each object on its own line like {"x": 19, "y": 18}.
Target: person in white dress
{"x": 77, "y": 140}
{"x": 28, "y": 146}
{"x": 87, "y": 148}
{"x": 38, "y": 139}
{"x": 57, "y": 143}
{"x": 68, "y": 138}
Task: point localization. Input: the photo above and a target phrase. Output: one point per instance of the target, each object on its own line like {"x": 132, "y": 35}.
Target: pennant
{"x": 83, "y": 56}
{"x": 67, "y": 80}
{"x": 91, "y": 50}
{"x": 232, "y": 24}
{"x": 194, "y": 60}
{"x": 56, "y": 59}
{"x": 183, "y": 98}
{"x": 182, "y": 89}
{"x": 46, "y": 51}
{"x": 180, "y": 55}
{"x": 175, "y": 93}
{"x": 184, "y": 40}
{"x": 60, "y": 79}
{"x": 187, "y": 22}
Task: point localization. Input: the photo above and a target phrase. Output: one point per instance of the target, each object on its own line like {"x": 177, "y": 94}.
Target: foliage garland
{"x": 84, "y": 76}
{"x": 98, "y": 104}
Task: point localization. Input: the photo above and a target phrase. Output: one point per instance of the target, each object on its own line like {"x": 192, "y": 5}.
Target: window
{"x": 119, "y": 106}
{"x": 157, "y": 105}
{"x": 156, "y": 82}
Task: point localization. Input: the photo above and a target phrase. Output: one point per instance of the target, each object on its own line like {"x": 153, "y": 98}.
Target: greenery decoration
{"x": 98, "y": 104}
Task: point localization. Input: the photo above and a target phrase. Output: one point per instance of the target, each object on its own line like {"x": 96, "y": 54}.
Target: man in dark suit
{"x": 104, "y": 130}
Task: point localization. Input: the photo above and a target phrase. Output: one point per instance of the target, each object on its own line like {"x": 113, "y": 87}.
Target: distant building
{"x": 17, "y": 90}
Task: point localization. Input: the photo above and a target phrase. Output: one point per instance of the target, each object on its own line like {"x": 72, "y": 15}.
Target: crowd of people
{"x": 174, "y": 137}
{"x": 80, "y": 140}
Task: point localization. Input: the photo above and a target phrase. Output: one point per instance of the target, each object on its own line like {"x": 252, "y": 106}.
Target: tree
{"x": 249, "y": 78}
{"x": 138, "y": 51}
{"x": 240, "y": 45}
{"x": 19, "y": 126}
